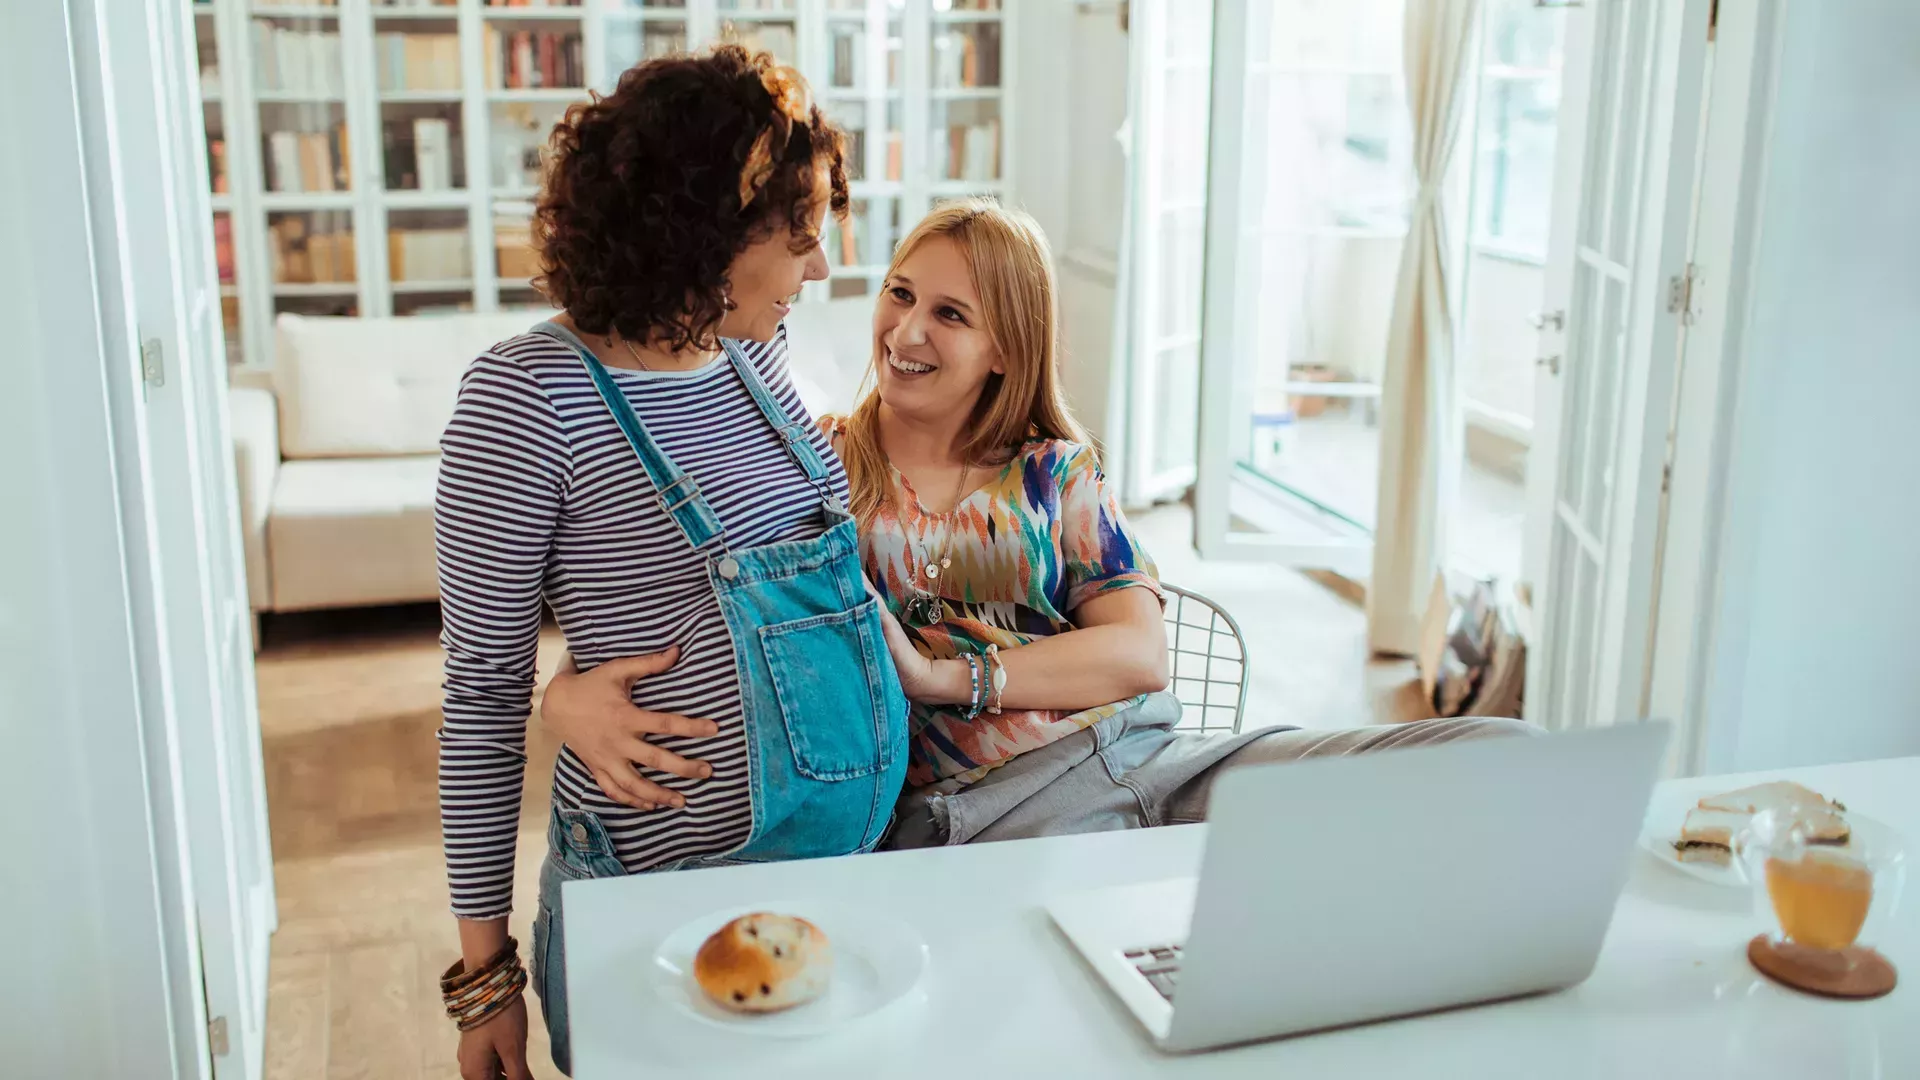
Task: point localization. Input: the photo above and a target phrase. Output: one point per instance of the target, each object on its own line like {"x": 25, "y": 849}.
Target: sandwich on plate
{"x": 1708, "y": 834}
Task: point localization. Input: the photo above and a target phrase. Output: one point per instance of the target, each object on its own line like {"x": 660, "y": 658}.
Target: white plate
{"x": 1667, "y": 813}
{"x": 877, "y": 961}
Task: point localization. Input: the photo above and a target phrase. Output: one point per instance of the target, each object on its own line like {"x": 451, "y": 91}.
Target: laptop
{"x": 1344, "y": 890}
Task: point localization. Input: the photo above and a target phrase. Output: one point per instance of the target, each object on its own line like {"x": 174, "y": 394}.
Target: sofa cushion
{"x": 256, "y": 459}
{"x": 373, "y": 387}
{"x": 351, "y": 532}
{"x": 351, "y": 387}
{"x": 829, "y": 346}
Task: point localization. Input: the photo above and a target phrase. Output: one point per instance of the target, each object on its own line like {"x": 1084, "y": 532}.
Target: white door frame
{"x": 201, "y": 624}
{"x": 1688, "y": 634}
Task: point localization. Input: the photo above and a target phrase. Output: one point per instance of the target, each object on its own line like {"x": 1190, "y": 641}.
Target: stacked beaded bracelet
{"x": 977, "y": 679}
{"x": 475, "y": 997}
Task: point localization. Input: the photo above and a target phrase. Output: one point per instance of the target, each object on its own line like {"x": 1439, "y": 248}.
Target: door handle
{"x": 1551, "y": 363}
{"x": 1539, "y": 319}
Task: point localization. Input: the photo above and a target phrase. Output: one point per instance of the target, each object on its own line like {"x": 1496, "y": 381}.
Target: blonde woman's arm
{"x": 1117, "y": 650}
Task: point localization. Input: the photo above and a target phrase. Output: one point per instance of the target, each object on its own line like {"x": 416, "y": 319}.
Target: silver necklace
{"x": 926, "y": 607}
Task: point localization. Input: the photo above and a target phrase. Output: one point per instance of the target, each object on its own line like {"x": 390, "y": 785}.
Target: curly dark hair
{"x": 642, "y": 211}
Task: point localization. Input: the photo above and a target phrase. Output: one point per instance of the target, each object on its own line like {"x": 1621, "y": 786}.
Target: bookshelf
{"x": 380, "y": 157}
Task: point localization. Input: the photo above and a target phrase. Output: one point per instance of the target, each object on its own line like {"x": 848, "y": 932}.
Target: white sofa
{"x": 338, "y": 448}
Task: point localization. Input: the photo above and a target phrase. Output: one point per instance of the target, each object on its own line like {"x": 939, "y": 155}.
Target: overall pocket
{"x": 840, "y": 699}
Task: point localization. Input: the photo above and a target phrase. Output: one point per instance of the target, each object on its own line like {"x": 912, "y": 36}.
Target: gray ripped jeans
{"x": 1133, "y": 770}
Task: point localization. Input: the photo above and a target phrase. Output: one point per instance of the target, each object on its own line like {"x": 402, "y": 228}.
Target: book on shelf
{"x": 428, "y": 255}
{"x": 396, "y": 152}
{"x": 849, "y": 60}
{"x": 967, "y": 58}
{"x": 332, "y": 256}
{"x": 534, "y": 59}
{"x": 514, "y": 254}
{"x": 308, "y": 161}
{"x": 973, "y": 151}
{"x": 306, "y": 63}
{"x": 895, "y": 156}
{"x": 302, "y": 257}
{"x": 856, "y": 153}
{"x": 417, "y": 61}
{"x": 230, "y": 322}
{"x": 774, "y": 37}
{"x": 342, "y": 156}
{"x": 849, "y": 241}
{"x": 521, "y": 74}
{"x": 532, "y": 3}
{"x": 217, "y": 163}
{"x": 223, "y": 246}
{"x": 287, "y": 243}
{"x": 433, "y": 153}
{"x": 283, "y": 161}
{"x": 316, "y": 162}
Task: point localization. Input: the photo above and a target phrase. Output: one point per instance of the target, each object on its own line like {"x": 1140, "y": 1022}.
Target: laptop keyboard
{"x": 1159, "y": 965}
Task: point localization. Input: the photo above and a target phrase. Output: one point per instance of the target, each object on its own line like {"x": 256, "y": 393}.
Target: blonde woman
{"x": 1025, "y": 617}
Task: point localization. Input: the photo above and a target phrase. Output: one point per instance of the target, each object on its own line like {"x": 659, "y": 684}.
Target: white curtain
{"x": 1418, "y": 425}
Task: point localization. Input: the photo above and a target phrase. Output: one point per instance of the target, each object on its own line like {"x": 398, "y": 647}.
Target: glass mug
{"x": 1828, "y": 901}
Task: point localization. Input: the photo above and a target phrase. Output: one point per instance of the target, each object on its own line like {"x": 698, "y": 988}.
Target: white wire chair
{"x": 1206, "y": 662}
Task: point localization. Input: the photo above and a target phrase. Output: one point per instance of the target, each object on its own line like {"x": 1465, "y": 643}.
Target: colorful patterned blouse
{"x": 1027, "y": 549}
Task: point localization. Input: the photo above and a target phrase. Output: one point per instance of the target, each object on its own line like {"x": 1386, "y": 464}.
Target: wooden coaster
{"x": 1855, "y": 973}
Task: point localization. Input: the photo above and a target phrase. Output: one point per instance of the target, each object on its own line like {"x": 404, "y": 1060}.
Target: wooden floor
{"x": 348, "y": 706}
{"x": 349, "y": 703}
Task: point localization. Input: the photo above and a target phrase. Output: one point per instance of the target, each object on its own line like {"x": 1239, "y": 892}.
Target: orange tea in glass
{"x": 1824, "y": 899}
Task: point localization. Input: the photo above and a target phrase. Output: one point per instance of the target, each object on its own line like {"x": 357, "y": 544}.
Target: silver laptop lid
{"x": 1351, "y": 889}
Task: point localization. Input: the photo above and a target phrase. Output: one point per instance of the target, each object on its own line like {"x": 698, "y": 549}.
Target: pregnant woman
{"x": 642, "y": 465}
{"x": 1029, "y": 632}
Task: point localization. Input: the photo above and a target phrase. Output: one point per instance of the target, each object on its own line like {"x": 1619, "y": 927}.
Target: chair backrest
{"x": 1206, "y": 662}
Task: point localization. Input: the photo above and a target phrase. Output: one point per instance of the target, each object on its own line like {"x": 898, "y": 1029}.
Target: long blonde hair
{"x": 1012, "y": 269}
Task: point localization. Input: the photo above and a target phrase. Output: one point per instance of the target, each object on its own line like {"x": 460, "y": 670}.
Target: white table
{"x": 1007, "y": 998}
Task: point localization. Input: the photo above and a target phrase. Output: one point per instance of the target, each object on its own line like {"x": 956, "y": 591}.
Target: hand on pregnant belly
{"x": 594, "y": 713}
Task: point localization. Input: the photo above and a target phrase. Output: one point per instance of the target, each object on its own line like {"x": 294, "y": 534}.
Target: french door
{"x": 198, "y": 635}
{"x": 1302, "y": 239}
{"x": 1171, "y": 45}
{"x": 1610, "y": 341}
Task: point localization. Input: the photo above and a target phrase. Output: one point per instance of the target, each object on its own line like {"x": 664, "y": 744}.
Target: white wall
{"x": 1070, "y": 174}
{"x": 1818, "y": 602}
{"x": 92, "y": 990}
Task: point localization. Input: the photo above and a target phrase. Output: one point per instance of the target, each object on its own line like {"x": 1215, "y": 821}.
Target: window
{"x": 1513, "y": 122}
{"x": 1518, "y": 114}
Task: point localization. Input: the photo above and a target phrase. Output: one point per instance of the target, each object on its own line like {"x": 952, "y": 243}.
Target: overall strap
{"x": 793, "y": 433}
{"x": 677, "y": 492}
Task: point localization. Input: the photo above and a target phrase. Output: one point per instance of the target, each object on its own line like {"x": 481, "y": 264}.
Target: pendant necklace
{"x": 926, "y": 607}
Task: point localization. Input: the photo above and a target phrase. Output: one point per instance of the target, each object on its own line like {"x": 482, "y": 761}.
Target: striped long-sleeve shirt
{"x": 541, "y": 499}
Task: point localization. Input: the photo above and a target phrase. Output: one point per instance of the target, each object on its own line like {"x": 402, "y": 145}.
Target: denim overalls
{"x": 825, "y": 716}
